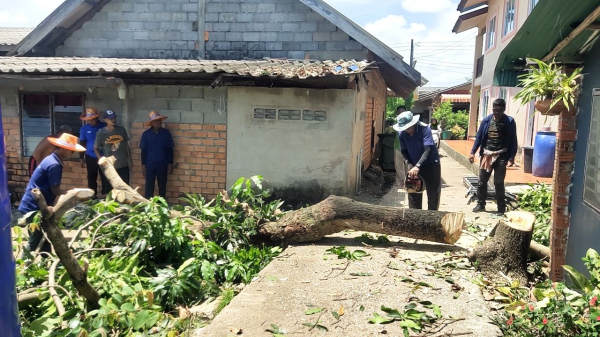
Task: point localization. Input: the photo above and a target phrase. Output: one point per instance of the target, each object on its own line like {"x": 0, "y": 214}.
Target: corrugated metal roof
{"x": 456, "y": 98}
{"x": 254, "y": 68}
{"x": 432, "y": 94}
{"x": 10, "y": 36}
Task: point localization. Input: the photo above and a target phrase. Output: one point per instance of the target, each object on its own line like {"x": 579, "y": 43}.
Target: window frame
{"x": 484, "y": 107}
{"x": 506, "y": 35}
{"x": 594, "y": 207}
{"x": 493, "y": 34}
{"x": 51, "y": 107}
{"x": 532, "y": 5}
{"x": 507, "y": 98}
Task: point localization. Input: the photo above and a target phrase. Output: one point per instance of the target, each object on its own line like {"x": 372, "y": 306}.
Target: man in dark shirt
{"x": 497, "y": 143}
{"x": 157, "y": 155}
{"x": 422, "y": 157}
{"x": 47, "y": 178}
{"x": 114, "y": 141}
{"x": 87, "y": 138}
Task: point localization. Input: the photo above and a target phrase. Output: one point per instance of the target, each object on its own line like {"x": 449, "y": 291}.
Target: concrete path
{"x": 305, "y": 277}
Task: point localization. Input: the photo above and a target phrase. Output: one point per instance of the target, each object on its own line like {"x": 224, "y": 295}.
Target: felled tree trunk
{"x": 333, "y": 215}
{"x": 506, "y": 251}
{"x": 336, "y": 214}
{"x": 50, "y": 218}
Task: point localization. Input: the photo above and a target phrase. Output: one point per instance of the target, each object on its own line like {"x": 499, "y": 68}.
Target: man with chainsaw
{"x": 422, "y": 159}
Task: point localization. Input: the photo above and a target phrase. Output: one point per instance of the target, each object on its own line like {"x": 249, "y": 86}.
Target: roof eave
{"x": 467, "y": 5}
{"x": 469, "y": 20}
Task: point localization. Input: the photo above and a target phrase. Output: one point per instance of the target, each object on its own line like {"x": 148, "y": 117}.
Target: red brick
{"x": 201, "y": 134}
{"x": 223, "y": 142}
{"x": 208, "y": 127}
{"x": 220, "y": 127}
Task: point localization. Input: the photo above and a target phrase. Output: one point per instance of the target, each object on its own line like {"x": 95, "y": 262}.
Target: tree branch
{"x": 55, "y": 236}
{"x": 60, "y": 308}
{"x": 82, "y": 228}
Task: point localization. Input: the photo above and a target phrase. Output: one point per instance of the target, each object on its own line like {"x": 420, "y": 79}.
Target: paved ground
{"x": 305, "y": 277}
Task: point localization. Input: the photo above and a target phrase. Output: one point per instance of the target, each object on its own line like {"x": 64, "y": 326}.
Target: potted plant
{"x": 550, "y": 87}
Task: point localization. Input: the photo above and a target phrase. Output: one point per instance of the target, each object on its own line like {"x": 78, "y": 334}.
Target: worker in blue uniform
{"x": 157, "y": 155}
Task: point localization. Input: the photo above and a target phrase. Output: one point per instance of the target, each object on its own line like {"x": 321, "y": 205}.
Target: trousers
{"x": 156, "y": 173}
{"x": 432, "y": 176}
{"x": 499, "y": 169}
{"x": 93, "y": 170}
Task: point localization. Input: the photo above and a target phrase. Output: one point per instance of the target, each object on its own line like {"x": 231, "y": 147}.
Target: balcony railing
{"x": 479, "y": 69}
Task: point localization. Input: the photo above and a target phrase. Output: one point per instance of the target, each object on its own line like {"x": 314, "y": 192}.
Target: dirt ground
{"x": 404, "y": 271}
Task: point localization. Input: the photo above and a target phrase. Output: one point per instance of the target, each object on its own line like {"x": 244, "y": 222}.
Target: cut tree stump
{"x": 505, "y": 252}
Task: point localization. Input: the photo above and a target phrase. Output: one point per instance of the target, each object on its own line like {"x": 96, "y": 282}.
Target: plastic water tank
{"x": 543, "y": 153}
{"x": 9, "y": 314}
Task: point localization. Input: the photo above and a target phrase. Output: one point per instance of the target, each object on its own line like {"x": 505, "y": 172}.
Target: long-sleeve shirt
{"x": 157, "y": 148}
{"x": 511, "y": 142}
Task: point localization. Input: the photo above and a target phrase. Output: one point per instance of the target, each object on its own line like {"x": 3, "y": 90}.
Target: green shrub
{"x": 538, "y": 200}
{"x": 557, "y": 310}
{"x": 447, "y": 119}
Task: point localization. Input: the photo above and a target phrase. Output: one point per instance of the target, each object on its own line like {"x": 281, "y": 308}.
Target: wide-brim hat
{"x": 90, "y": 113}
{"x": 67, "y": 141}
{"x": 405, "y": 120}
{"x": 155, "y": 116}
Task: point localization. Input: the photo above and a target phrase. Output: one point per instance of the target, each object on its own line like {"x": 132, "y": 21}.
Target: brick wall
{"x": 17, "y": 166}
{"x": 367, "y": 155}
{"x": 241, "y": 29}
{"x": 140, "y": 29}
{"x": 200, "y": 159}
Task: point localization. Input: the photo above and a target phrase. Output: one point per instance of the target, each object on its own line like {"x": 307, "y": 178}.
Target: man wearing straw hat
{"x": 47, "y": 178}
{"x": 89, "y": 159}
{"x": 422, "y": 158}
{"x": 157, "y": 155}
{"x": 114, "y": 141}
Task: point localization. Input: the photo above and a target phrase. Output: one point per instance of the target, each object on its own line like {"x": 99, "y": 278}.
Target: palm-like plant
{"x": 548, "y": 82}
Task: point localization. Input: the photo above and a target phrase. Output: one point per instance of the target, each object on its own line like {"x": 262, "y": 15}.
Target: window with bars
{"x": 490, "y": 40}
{"x": 485, "y": 102}
{"x": 509, "y": 16}
{"x": 502, "y": 93}
{"x": 591, "y": 194}
{"x": 290, "y": 114}
{"x": 42, "y": 115}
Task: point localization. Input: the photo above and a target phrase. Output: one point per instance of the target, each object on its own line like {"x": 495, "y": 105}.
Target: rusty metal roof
{"x": 253, "y": 68}
{"x": 10, "y": 36}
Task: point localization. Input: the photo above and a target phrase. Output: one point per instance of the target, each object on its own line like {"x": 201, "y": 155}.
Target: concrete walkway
{"x": 305, "y": 277}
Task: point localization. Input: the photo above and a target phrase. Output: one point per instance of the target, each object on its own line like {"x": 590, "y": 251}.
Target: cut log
{"x": 506, "y": 251}
{"x": 336, "y": 214}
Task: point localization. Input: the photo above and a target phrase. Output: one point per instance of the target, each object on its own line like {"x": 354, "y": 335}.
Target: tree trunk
{"x": 539, "y": 251}
{"x": 330, "y": 216}
{"x": 506, "y": 251}
{"x": 50, "y": 218}
{"x": 336, "y": 214}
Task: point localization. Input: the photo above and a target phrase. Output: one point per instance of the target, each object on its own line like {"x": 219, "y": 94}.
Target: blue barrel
{"x": 9, "y": 312}
{"x": 543, "y": 154}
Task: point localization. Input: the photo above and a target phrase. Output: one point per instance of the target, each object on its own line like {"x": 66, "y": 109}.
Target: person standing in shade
{"x": 422, "y": 158}
{"x": 89, "y": 159}
{"x": 497, "y": 143}
{"x": 157, "y": 155}
{"x": 113, "y": 141}
{"x": 44, "y": 149}
{"x": 47, "y": 178}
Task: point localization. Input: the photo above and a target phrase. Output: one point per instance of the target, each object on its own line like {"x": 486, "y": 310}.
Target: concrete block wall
{"x": 197, "y": 121}
{"x": 161, "y": 29}
{"x": 241, "y": 29}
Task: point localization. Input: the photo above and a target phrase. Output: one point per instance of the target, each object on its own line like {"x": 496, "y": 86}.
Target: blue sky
{"x": 444, "y": 58}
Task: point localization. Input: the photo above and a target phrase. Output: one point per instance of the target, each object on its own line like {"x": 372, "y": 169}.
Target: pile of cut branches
{"x": 144, "y": 264}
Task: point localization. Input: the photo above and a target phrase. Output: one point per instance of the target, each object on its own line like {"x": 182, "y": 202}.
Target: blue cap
{"x": 109, "y": 114}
